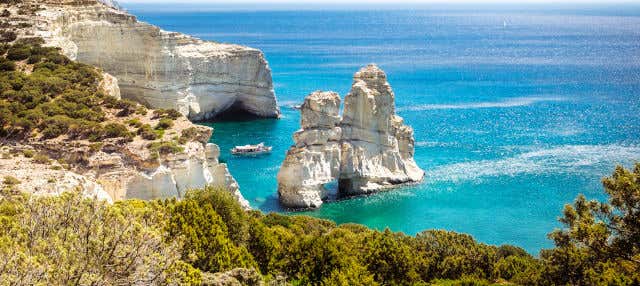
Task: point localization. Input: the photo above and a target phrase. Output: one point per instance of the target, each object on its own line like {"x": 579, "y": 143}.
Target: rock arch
{"x": 366, "y": 149}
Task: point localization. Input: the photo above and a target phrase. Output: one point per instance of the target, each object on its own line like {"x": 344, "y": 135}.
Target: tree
{"x": 206, "y": 242}
{"x": 390, "y": 259}
{"x": 600, "y": 242}
{"x": 74, "y": 240}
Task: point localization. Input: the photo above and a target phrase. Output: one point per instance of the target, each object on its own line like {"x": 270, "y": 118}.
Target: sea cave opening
{"x": 236, "y": 112}
{"x": 331, "y": 191}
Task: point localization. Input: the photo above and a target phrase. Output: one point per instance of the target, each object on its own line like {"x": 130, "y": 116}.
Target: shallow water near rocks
{"x": 515, "y": 112}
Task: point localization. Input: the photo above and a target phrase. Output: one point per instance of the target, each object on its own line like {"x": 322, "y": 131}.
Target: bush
{"x": 165, "y": 147}
{"x": 127, "y": 107}
{"x": 166, "y": 113}
{"x": 7, "y": 65}
{"x": 3, "y": 49}
{"x": 8, "y": 36}
{"x": 34, "y": 59}
{"x": 164, "y": 123}
{"x": 11, "y": 181}
{"x": 76, "y": 240}
{"x": 146, "y": 132}
{"x": 134, "y": 122}
{"x": 28, "y": 153}
{"x": 18, "y": 53}
{"x": 41, "y": 159}
{"x": 56, "y": 126}
{"x": 189, "y": 134}
{"x": 35, "y": 42}
{"x": 116, "y": 130}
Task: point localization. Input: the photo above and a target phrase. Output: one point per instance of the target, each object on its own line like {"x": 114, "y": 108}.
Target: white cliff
{"x": 160, "y": 69}
{"x": 377, "y": 149}
{"x": 314, "y": 160}
{"x": 116, "y": 170}
{"x": 366, "y": 150}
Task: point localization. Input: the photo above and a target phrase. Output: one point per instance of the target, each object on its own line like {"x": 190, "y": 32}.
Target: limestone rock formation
{"x": 144, "y": 63}
{"x": 367, "y": 149}
{"x": 314, "y": 160}
{"x": 377, "y": 149}
{"x": 161, "y": 69}
{"x": 109, "y": 85}
{"x": 119, "y": 170}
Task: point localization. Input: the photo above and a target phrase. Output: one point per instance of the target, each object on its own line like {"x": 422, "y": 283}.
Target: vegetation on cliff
{"x": 72, "y": 240}
{"x": 44, "y": 95}
{"x": 49, "y": 95}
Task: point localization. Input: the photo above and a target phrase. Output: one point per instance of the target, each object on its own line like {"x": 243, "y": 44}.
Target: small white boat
{"x": 251, "y": 150}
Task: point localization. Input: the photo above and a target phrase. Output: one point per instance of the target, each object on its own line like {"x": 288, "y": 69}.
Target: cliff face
{"x": 314, "y": 160}
{"x": 116, "y": 170}
{"x": 63, "y": 128}
{"x": 366, "y": 150}
{"x": 160, "y": 69}
{"x": 377, "y": 150}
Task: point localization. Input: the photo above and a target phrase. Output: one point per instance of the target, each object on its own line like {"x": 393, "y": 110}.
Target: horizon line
{"x": 276, "y": 5}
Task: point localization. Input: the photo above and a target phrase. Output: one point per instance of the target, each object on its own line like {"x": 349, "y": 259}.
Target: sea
{"x": 516, "y": 109}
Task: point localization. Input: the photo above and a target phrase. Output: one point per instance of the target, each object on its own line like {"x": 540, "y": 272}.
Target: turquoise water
{"x": 515, "y": 111}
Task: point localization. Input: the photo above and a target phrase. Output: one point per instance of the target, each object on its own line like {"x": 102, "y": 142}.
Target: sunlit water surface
{"x": 514, "y": 112}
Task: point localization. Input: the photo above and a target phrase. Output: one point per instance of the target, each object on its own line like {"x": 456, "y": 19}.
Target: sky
{"x": 201, "y": 5}
{"x": 390, "y": 2}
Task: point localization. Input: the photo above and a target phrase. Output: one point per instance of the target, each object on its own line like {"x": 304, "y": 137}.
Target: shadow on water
{"x": 235, "y": 113}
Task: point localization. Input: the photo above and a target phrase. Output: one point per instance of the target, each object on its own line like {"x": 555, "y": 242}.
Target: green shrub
{"x": 19, "y": 52}
{"x": 189, "y": 134}
{"x": 11, "y": 181}
{"x": 166, "y": 113}
{"x": 8, "y": 36}
{"x": 56, "y": 126}
{"x": 127, "y": 107}
{"x": 164, "y": 123}
{"x": 165, "y": 147}
{"x": 146, "y": 132}
{"x": 3, "y": 48}
{"x": 141, "y": 110}
{"x": 78, "y": 240}
{"x": 95, "y": 147}
{"x": 7, "y": 65}
{"x": 41, "y": 159}
{"x": 34, "y": 59}
{"x": 116, "y": 130}
{"x": 35, "y": 42}
{"x": 134, "y": 122}
{"x": 57, "y": 59}
{"x": 27, "y": 153}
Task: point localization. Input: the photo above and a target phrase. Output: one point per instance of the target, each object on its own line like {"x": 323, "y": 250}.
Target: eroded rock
{"x": 314, "y": 160}
{"x": 158, "y": 68}
{"x": 366, "y": 150}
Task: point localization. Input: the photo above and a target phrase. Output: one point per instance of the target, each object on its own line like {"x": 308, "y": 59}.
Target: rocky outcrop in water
{"x": 366, "y": 150}
{"x": 161, "y": 69}
{"x": 314, "y": 160}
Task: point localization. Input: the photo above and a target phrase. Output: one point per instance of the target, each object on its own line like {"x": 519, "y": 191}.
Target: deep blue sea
{"x": 515, "y": 111}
